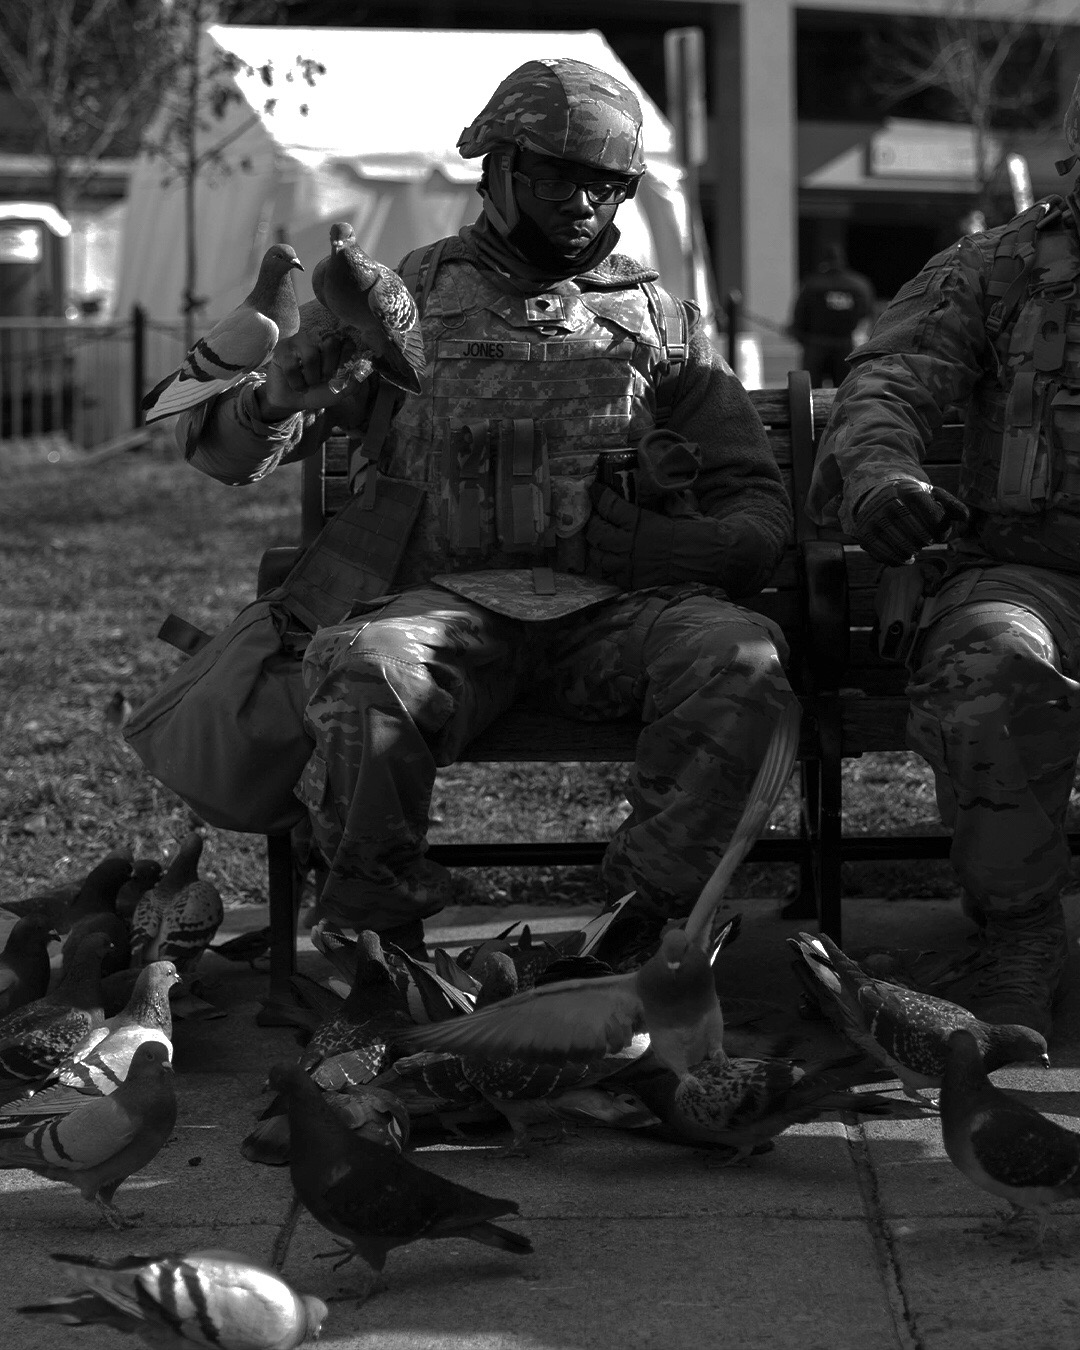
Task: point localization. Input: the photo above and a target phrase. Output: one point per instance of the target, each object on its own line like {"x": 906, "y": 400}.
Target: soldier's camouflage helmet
{"x": 565, "y": 109}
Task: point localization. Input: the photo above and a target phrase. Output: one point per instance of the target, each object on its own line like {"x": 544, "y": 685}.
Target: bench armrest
{"x": 824, "y": 582}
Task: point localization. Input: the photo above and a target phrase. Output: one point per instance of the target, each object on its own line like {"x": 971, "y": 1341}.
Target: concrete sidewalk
{"x": 844, "y": 1237}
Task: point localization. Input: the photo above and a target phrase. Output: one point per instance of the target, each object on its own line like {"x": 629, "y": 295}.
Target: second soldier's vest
{"x": 1022, "y": 446}
{"x": 523, "y": 396}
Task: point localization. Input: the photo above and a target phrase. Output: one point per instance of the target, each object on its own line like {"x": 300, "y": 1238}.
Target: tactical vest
{"x": 1022, "y": 447}
{"x": 523, "y": 396}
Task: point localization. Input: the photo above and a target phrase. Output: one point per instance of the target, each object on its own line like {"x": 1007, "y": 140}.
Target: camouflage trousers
{"x": 995, "y": 710}
{"x": 401, "y": 690}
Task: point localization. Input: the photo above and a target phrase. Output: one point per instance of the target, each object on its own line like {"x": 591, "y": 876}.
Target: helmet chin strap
{"x": 500, "y": 205}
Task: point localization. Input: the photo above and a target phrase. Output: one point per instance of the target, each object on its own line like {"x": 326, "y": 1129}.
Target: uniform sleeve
{"x": 227, "y": 439}
{"x": 739, "y": 485}
{"x": 926, "y": 352}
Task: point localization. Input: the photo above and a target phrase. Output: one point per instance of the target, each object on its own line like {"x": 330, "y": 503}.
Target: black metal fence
{"x": 81, "y": 380}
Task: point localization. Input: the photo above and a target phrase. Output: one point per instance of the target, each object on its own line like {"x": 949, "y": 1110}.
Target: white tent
{"x": 376, "y": 147}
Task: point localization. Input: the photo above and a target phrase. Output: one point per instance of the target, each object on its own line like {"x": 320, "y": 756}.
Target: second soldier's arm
{"x": 926, "y": 352}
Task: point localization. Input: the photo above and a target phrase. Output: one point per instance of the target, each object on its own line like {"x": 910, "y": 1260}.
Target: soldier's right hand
{"x": 894, "y": 521}
{"x": 299, "y": 374}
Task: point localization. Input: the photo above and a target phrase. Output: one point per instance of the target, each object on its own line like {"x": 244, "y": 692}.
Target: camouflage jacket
{"x": 522, "y": 396}
{"x": 933, "y": 349}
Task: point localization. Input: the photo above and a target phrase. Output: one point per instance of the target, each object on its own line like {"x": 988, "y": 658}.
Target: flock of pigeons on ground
{"x": 522, "y": 1032}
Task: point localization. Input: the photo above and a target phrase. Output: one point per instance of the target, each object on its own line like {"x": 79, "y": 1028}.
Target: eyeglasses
{"x": 600, "y": 193}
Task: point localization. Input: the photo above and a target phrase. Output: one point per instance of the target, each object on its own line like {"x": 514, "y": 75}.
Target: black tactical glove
{"x": 635, "y": 548}
{"x": 894, "y": 521}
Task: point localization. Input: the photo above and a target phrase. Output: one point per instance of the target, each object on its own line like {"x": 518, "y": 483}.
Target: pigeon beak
{"x": 297, "y": 264}
{"x": 1045, "y": 1061}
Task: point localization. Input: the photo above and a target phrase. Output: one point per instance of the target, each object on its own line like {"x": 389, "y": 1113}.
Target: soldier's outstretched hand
{"x": 894, "y": 521}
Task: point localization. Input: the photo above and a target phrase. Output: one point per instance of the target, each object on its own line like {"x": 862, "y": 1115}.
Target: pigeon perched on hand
{"x": 105, "y": 1140}
{"x": 376, "y": 304}
{"x": 24, "y": 963}
{"x": 672, "y": 996}
{"x": 1003, "y": 1145}
{"x": 237, "y": 344}
{"x": 903, "y": 1029}
{"x": 218, "y": 1298}
{"x": 372, "y": 1198}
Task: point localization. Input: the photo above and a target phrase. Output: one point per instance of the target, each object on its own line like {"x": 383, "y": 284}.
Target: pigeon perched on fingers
{"x": 218, "y": 1298}
{"x": 237, "y": 344}
{"x": 903, "y": 1029}
{"x": 342, "y": 234}
{"x": 1003, "y": 1145}
{"x": 672, "y": 996}
{"x": 370, "y": 1197}
{"x": 374, "y": 301}
{"x": 24, "y": 963}
{"x": 105, "y": 1140}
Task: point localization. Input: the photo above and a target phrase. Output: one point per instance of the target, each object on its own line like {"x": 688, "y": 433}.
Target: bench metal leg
{"x": 284, "y": 886}
{"x": 830, "y": 818}
{"x": 805, "y": 904}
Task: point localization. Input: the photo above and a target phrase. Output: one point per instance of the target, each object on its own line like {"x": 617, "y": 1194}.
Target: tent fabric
{"x": 376, "y": 147}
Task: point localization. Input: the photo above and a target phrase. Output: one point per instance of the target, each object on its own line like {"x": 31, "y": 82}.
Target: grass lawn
{"x": 94, "y": 556}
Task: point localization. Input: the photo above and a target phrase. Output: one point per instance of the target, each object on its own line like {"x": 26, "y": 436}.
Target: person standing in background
{"x": 831, "y": 305}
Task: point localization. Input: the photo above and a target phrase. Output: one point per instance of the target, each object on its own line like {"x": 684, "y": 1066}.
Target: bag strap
{"x": 670, "y": 317}
{"x": 1014, "y": 260}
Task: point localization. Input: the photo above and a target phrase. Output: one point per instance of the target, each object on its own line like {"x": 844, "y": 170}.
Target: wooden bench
{"x": 853, "y": 701}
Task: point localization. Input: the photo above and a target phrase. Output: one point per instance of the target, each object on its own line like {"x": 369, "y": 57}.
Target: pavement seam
{"x": 900, "y": 1310}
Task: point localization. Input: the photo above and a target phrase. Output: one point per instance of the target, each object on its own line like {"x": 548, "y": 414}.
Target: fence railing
{"x": 82, "y": 379}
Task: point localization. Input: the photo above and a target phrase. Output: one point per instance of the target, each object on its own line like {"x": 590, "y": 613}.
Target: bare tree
{"x": 989, "y": 72}
{"x": 96, "y": 77}
{"x": 86, "y": 75}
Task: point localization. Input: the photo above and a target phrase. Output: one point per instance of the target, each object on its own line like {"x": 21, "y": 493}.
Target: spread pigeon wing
{"x": 575, "y": 1019}
{"x": 240, "y": 343}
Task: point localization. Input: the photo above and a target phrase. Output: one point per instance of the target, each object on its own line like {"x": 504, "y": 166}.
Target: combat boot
{"x": 1013, "y": 970}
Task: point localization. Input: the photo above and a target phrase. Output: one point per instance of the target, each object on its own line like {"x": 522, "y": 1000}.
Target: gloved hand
{"x": 894, "y": 521}
{"x": 634, "y": 548}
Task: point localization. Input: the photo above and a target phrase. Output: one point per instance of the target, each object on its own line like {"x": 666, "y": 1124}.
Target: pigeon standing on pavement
{"x": 100, "y": 1062}
{"x": 217, "y": 1298}
{"x": 237, "y": 344}
{"x": 24, "y": 962}
{"x": 1003, "y": 1145}
{"x": 177, "y": 918}
{"x": 741, "y": 1104}
{"x": 672, "y": 996}
{"x": 105, "y": 1140}
{"x": 374, "y": 302}
{"x": 35, "y": 1038}
{"x": 903, "y": 1029}
{"x": 98, "y": 892}
{"x": 370, "y": 1197}
{"x": 145, "y": 872}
